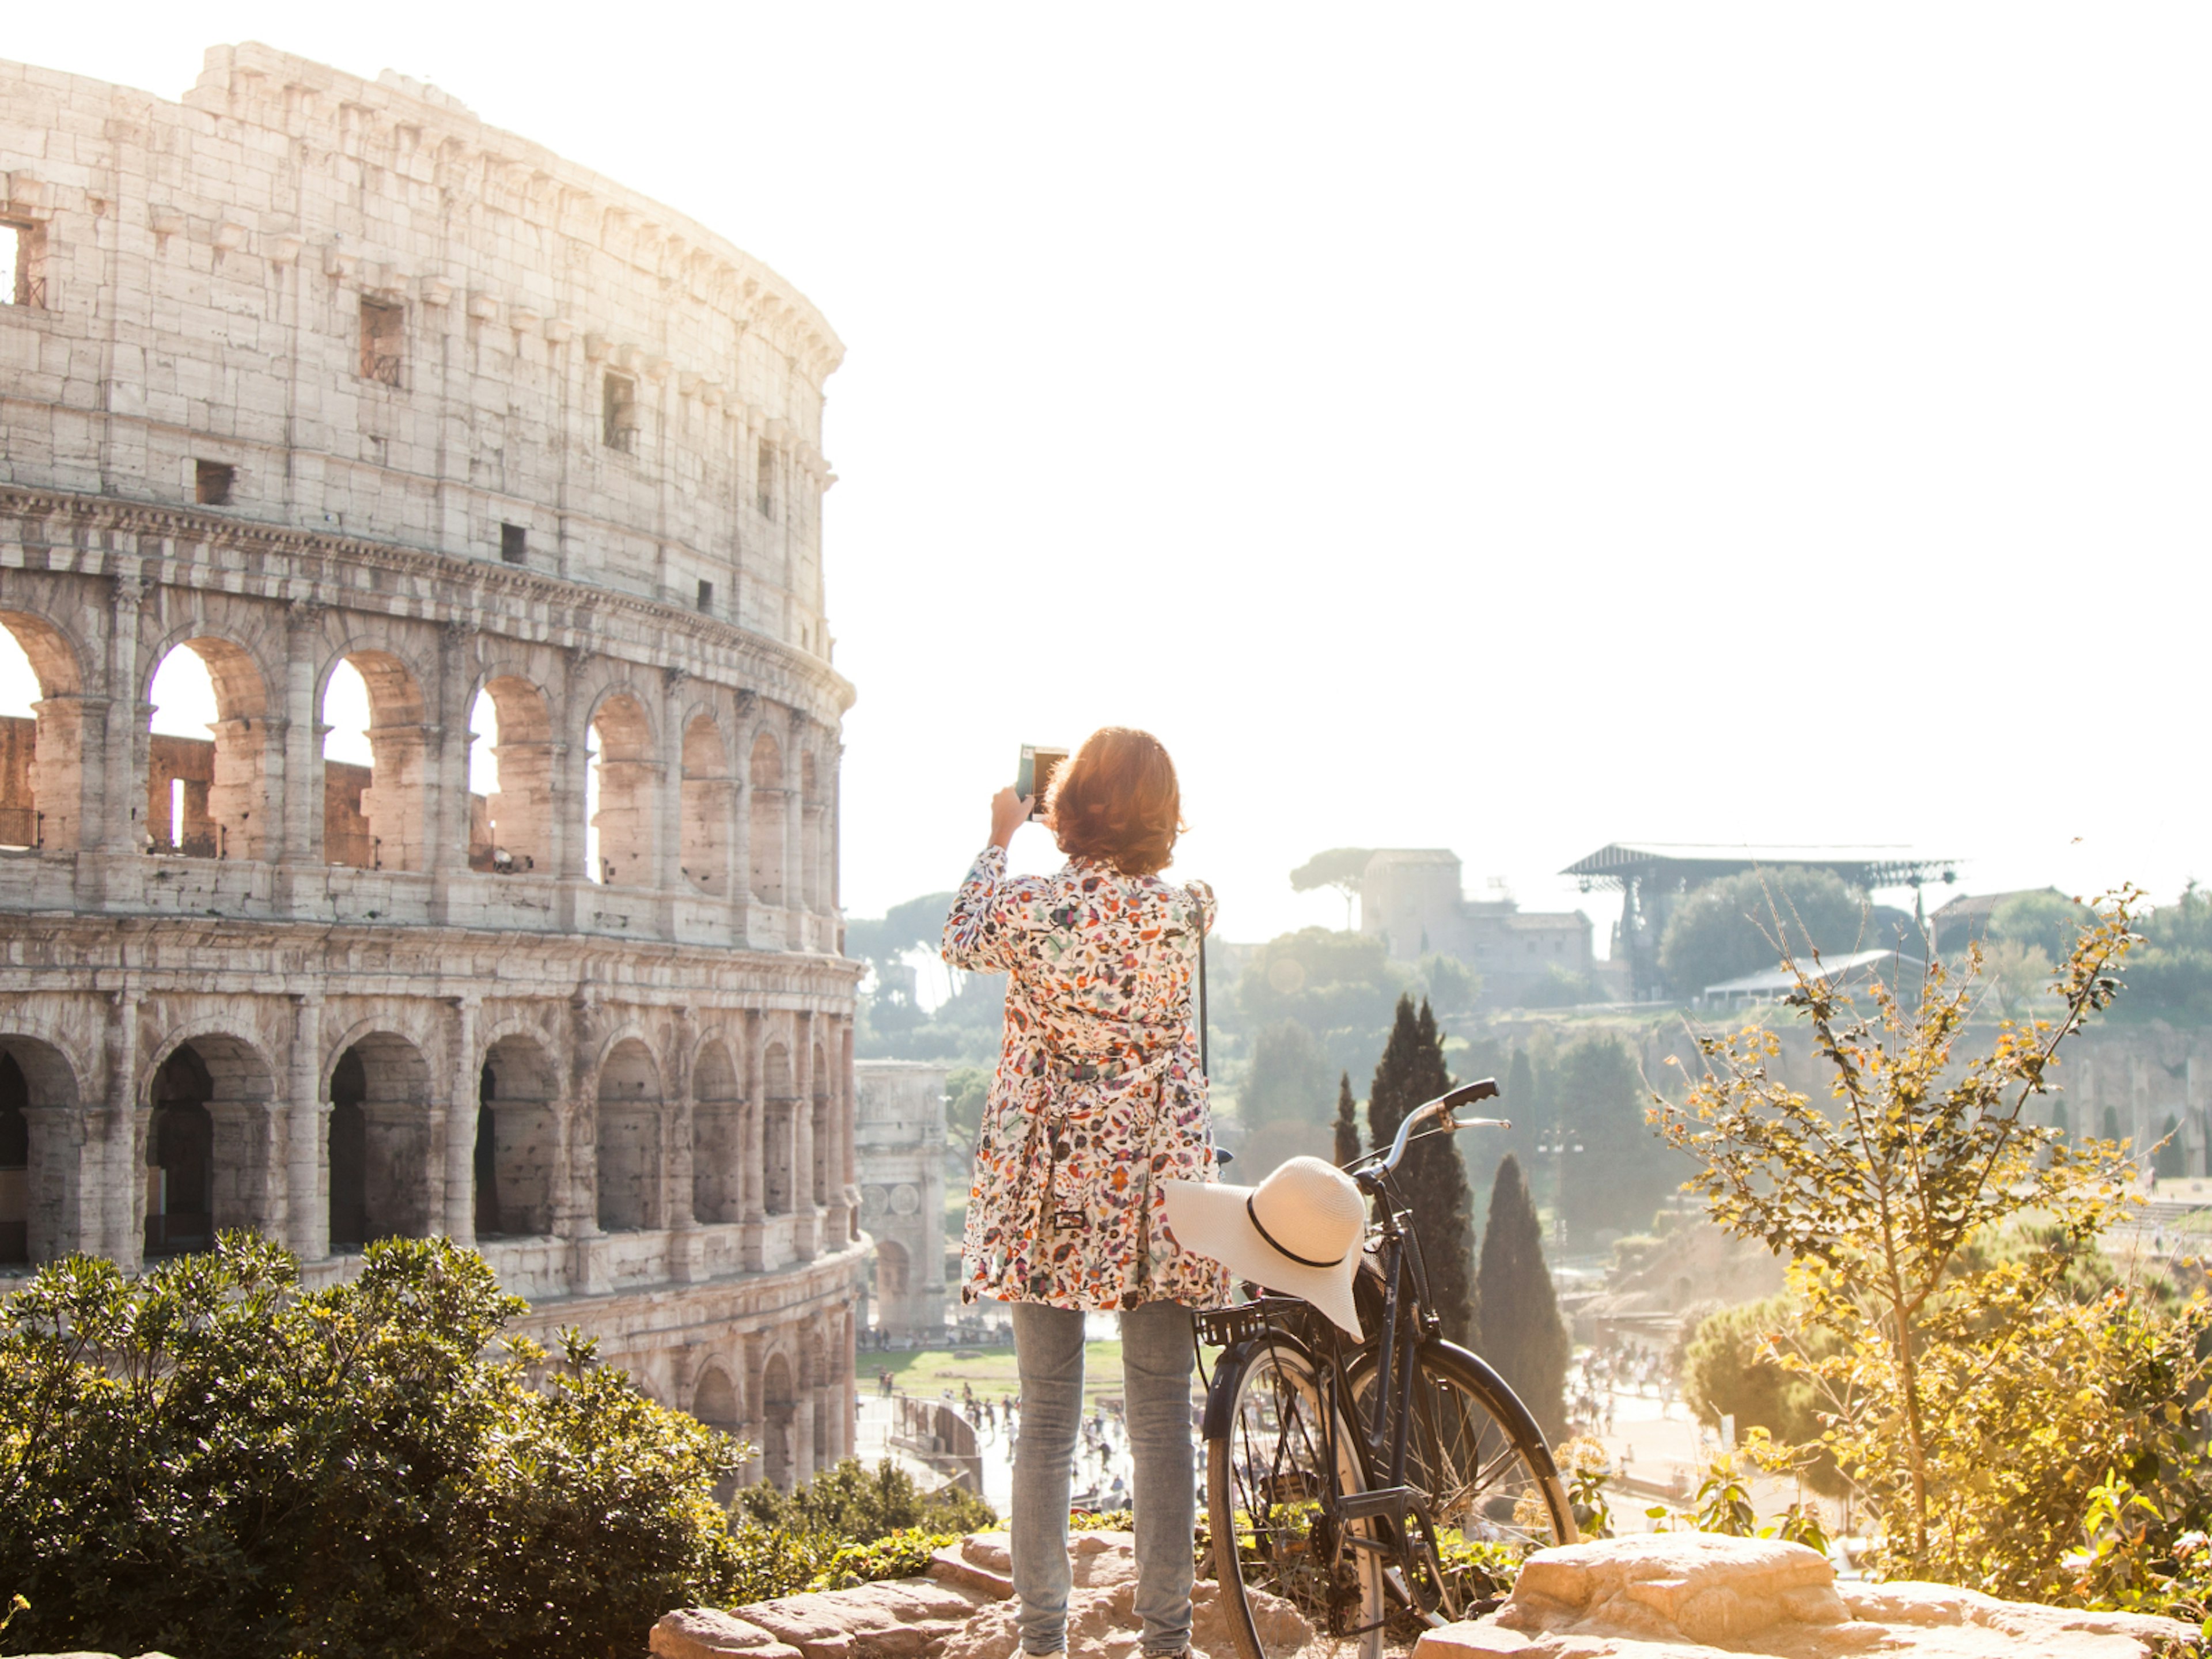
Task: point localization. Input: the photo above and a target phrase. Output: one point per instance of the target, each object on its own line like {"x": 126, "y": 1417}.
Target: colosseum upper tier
{"x": 305, "y": 372}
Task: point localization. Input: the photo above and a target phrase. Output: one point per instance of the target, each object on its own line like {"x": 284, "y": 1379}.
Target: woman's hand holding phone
{"x": 1009, "y": 811}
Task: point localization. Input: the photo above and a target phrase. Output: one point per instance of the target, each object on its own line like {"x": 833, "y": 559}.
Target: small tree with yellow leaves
{"x": 1976, "y": 1396}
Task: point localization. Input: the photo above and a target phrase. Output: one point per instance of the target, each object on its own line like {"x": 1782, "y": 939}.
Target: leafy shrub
{"x": 207, "y": 1460}
{"x": 1732, "y": 1367}
{"x": 902, "y": 1554}
{"x": 852, "y": 1503}
{"x": 1943, "y": 1242}
{"x": 773, "y": 1561}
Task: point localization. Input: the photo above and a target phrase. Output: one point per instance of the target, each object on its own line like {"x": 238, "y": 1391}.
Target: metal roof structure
{"x": 1619, "y": 863}
{"x": 1780, "y": 981}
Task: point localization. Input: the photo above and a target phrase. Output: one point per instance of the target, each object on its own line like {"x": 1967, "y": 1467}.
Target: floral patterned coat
{"x": 1098, "y": 1098}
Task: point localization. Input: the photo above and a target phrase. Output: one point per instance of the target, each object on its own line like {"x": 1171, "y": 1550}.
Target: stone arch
{"x": 894, "y": 1281}
{"x": 714, "y": 1400}
{"x": 383, "y": 1174}
{"x": 629, "y": 1138}
{"x": 768, "y": 818}
{"x": 39, "y": 1100}
{"x": 779, "y": 1415}
{"x": 518, "y": 817}
{"x": 209, "y": 1141}
{"x": 518, "y": 1150}
{"x": 709, "y": 806}
{"x": 377, "y": 817}
{"x": 778, "y": 1107}
{"x": 717, "y": 1119}
{"x": 42, "y": 759}
{"x": 629, "y": 771}
{"x": 208, "y": 798}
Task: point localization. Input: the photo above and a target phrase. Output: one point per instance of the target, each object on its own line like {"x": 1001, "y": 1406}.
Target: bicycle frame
{"x": 1382, "y": 1447}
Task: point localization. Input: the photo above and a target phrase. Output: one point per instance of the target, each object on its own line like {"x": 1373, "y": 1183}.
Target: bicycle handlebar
{"x": 1442, "y": 1107}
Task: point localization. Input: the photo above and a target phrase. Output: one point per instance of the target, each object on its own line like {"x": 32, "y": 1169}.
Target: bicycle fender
{"x": 1507, "y": 1403}
{"x": 1220, "y": 1394}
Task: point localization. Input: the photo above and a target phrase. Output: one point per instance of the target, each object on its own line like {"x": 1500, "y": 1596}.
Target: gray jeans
{"x": 1156, "y": 1365}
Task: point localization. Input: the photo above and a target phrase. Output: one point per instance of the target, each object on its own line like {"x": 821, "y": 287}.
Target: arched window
{"x": 206, "y": 755}
{"x": 715, "y": 1402}
{"x": 180, "y": 1158}
{"x": 707, "y": 808}
{"x": 630, "y": 1139}
{"x": 717, "y": 1116}
{"x": 41, "y": 736}
{"x": 381, "y": 1181}
{"x": 517, "y": 1150}
{"x": 778, "y": 1191}
{"x": 374, "y": 765}
{"x": 208, "y": 1146}
{"x": 510, "y": 778}
{"x": 622, "y": 808}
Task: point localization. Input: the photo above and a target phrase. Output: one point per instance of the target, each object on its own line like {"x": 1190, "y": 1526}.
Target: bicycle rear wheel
{"x": 1487, "y": 1493}
{"x": 1289, "y": 1574}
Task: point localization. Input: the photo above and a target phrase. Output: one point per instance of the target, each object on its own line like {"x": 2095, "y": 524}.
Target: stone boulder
{"x": 963, "y": 1610}
{"x": 1102, "y": 1616}
{"x": 1687, "y": 1595}
{"x": 894, "y": 1618}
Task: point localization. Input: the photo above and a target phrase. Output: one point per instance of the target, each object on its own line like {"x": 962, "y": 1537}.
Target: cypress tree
{"x": 1522, "y": 1334}
{"x": 1432, "y": 1178}
{"x": 1523, "y": 1108}
{"x": 1347, "y": 1124}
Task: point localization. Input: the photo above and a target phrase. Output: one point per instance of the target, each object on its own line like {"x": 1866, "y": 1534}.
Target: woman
{"x": 1096, "y": 1100}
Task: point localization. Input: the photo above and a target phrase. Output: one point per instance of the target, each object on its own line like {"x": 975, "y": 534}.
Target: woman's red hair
{"x": 1117, "y": 799}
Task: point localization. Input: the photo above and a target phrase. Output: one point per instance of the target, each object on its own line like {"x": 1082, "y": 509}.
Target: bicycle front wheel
{"x": 1290, "y": 1575}
{"x": 1487, "y": 1492}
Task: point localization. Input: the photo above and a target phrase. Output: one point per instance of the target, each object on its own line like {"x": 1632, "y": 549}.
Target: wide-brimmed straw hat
{"x": 1298, "y": 1231}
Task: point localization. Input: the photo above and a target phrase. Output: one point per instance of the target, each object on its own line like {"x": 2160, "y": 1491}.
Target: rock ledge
{"x": 1687, "y": 1595}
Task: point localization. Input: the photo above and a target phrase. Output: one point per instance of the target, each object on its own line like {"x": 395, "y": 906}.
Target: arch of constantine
{"x": 310, "y": 376}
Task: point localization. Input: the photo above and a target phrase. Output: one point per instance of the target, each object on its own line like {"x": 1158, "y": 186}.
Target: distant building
{"x": 1410, "y": 898}
{"x": 899, "y": 1141}
{"x": 1653, "y": 876}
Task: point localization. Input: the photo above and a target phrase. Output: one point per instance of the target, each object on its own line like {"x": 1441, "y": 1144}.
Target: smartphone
{"x": 1035, "y": 777}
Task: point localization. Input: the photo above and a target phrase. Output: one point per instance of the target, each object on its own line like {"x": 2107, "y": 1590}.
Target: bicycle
{"x": 1362, "y": 1491}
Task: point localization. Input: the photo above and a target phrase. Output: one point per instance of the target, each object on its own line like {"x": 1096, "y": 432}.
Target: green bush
{"x": 207, "y": 1460}
{"x": 903, "y": 1554}
{"x": 1730, "y": 1369}
{"x": 852, "y": 1503}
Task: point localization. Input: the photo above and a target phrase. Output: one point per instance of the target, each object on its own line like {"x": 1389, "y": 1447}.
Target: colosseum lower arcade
{"x": 310, "y": 383}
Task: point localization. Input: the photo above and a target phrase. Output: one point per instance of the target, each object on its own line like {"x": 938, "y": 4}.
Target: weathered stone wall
{"x": 203, "y": 269}
{"x": 899, "y": 1143}
{"x": 308, "y": 370}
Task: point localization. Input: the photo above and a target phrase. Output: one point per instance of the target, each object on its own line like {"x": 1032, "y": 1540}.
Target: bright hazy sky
{"x": 1510, "y": 429}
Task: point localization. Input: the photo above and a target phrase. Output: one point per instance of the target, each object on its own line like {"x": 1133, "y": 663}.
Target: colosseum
{"x": 324, "y": 383}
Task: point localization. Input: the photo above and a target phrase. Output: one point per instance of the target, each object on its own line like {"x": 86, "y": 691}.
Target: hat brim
{"x": 1209, "y": 1219}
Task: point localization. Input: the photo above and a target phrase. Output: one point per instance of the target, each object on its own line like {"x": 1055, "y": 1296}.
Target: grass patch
{"x": 990, "y": 1371}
